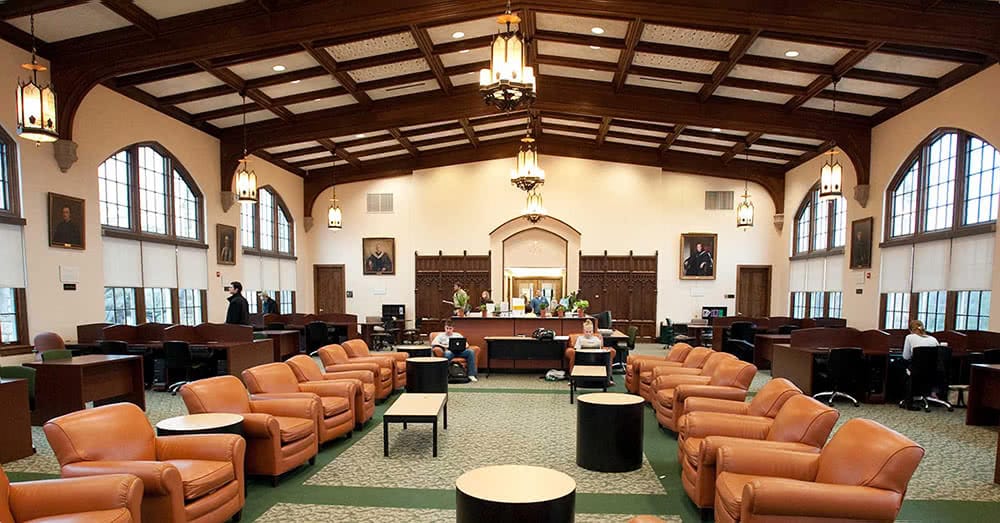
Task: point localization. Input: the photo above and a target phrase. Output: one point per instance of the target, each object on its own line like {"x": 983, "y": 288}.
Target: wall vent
{"x": 381, "y": 203}
{"x": 718, "y": 200}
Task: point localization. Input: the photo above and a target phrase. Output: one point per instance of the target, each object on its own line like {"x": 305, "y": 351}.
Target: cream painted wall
{"x": 615, "y": 207}
{"x": 105, "y": 123}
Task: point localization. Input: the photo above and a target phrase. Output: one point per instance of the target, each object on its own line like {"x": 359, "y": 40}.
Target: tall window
{"x": 9, "y": 331}
{"x": 266, "y": 226}
{"x": 950, "y": 181}
{"x": 973, "y": 310}
{"x": 145, "y": 190}
{"x": 189, "y": 306}
{"x": 286, "y": 302}
{"x": 158, "y": 305}
{"x": 931, "y": 307}
{"x": 799, "y": 305}
{"x": 119, "y": 305}
{"x": 253, "y": 300}
{"x": 820, "y": 224}
{"x": 9, "y": 201}
{"x": 897, "y": 310}
{"x": 248, "y": 225}
{"x": 835, "y": 304}
{"x": 266, "y": 211}
{"x": 816, "y": 303}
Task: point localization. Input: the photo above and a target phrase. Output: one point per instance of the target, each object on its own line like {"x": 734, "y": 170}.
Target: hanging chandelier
{"x": 744, "y": 211}
{"x": 36, "y": 105}
{"x": 831, "y": 176}
{"x": 246, "y": 179}
{"x": 527, "y": 175}
{"x": 534, "y": 211}
{"x": 334, "y": 215}
{"x": 509, "y": 83}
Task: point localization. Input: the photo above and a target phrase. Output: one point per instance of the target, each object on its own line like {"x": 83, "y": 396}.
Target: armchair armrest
{"x": 663, "y": 370}
{"x": 771, "y": 496}
{"x": 685, "y": 391}
{"x": 710, "y": 446}
{"x": 704, "y": 424}
{"x": 703, "y": 404}
{"x": 364, "y": 366}
{"x": 673, "y": 381}
{"x": 208, "y": 447}
{"x": 381, "y": 361}
{"x": 649, "y": 363}
{"x": 260, "y": 425}
{"x": 301, "y": 406}
{"x": 635, "y": 358}
{"x": 339, "y": 388}
{"x": 365, "y": 376}
{"x": 157, "y": 477}
{"x": 757, "y": 461}
{"x": 42, "y": 499}
{"x": 398, "y": 356}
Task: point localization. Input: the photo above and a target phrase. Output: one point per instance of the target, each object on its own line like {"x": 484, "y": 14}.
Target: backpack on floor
{"x": 457, "y": 373}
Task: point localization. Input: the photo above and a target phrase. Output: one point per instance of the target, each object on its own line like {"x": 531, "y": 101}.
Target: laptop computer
{"x": 457, "y": 345}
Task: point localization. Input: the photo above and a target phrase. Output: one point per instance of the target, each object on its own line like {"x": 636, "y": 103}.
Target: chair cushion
{"x": 384, "y": 373}
{"x": 369, "y": 391}
{"x": 401, "y": 367}
{"x": 334, "y": 405}
{"x": 692, "y": 450}
{"x": 294, "y": 429}
{"x": 729, "y": 490}
{"x": 666, "y": 397}
{"x": 118, "y": 515}
{"x": 201, "y": 477}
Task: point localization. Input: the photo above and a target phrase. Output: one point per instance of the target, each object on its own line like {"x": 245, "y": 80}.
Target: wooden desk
{"x": 763, "y": 348}
{"x": 15, "y": 418}
{"x": 286, "y": 343}
{"x": 697, "y": 332}
{"x": 796, "y": 364}
{"x": 507, "y": 351}
{"x": 476, "y": 329}
{"x": 984, "y": 395}
{"x": 64, "y": 386}
{"x": 241, "y": 355}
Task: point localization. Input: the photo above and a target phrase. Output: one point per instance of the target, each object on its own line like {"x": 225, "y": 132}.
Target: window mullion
{"x": 169, "y": 204}
{"x": 923, "y": 178}
{"x": 961, "y": 151}
{"x": 134, "y": 212}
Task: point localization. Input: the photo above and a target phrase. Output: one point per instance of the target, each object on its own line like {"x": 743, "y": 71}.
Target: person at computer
{"x": 590, "y": 341}
{"x": 443, "y": 340}
{"x": 538, "y": 302}
{"x": 917, "y": 337}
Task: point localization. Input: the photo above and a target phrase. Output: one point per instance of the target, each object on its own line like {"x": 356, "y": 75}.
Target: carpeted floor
{"x": 518, "y": 418}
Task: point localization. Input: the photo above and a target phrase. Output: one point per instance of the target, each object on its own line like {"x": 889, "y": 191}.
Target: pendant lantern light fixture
{"x": 334, "y": 215}
{"x": 527, "y": 175}
{"x": 246, "y": 179}
{"x": 744, "y": 211}
{"x": 509, "y": 83}
{"x": 831, "y": 176}
{"x": 36, "y": 104}
{"x": 534, "y": 211}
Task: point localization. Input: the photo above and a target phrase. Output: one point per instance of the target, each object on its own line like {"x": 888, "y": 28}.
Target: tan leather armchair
{"x": 359, "y": 349}
{"x": 569, "y": 356}
{"x": 196, "y": 478}
{"x": 729, "y": 381}
{"x": 335, "y": 360}
{"x": 306, "y": 370}
{"x": 765, "y": 405}
{"x": 677, "y": 353}
{"x": 336, "y": 414}
{"x": 696, "y": 359}
{"x": 281, "y": 434}
{"x": 803, "y": 424}
{"x": 439, "y": 352}
{"x": 115, "y": 497}
{"x": 860, "y": 475}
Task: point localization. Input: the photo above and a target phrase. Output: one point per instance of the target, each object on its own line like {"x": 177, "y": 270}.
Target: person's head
{"x": 449, "y": 327}
{"x": 486, "y": 295}
{"x": 588, "y": 328}
{"x": 538, "y": 293}
{"x": 66, "y": 213}
{"x": 235, "y": 287}
{"x": 265, "y": 296}
{"x": 699, "y": 247}
{"x": 378, "y": 248}
{"x": 457, "y": 286}
{"x": 227, "y": 240}
{"x": 917, "y": 327}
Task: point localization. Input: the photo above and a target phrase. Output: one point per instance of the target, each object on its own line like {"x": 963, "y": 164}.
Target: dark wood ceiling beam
{"x": 199, "y": 94}
{"x": 569, "y": 128}
{"x": 736, "y": 52}
{"x": 404, "y": 141}
{"x": 225, "y": 112}
{"x": 233, "y": 80}
{"x": 952, "y": 78}
{"x": 846, "y": 63}
{"x": 782, "y": 64}
{"x": 470, "y": 133}
{"x": 325, "y": 59}
{"x": 340, "y": 152}
{"x": 669, "y": 74}
{"x": 602, "y": 131}
{"x": 256, "y": 55}
{"x": 460, "y": 45}
{"x": 398, "y": 81}
{"x": 807, "y": 38}
{"x": 742, "y": 146}
{"x": 892, "y": 78}
{"x": 645, "y": 138}
{"x": 809, "y": 155}
{"x": 312, "y": 162}
{"x": 263, "y": 155}
{"x": 431, "y": 129}
{"x": 857, "y": 98}
{"x": 578, "y": 39}
{"x": 14, "y": 9}
{"x": 933, "y": 53}
{"x": 572, "y": 117}
{"x": 757, "y": 85}
{"x": 486, "y": 133}
{"x": 299, "y": 152}
{"x": 133, "y": 13}
{"x": 426, "y": 50}
{"x": 396, "y": 147}
{"x": 632, "y": 36}
{"x": 438, "y": 140}
{"x": 149, "y": 100}
{"x": 577, "y": 63}
{"x": 163, "y": 73}
{"x": 643, "y": 126}
{"x": 282, "y": 101}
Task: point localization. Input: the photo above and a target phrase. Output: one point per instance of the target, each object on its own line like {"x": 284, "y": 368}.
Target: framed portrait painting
{"x": 379, "y": 255}
{"x": 698, "y": 255}
{"x": 861, "y": 243}
{"x": 67, "y": 222}
{"x": 225, "y": 237}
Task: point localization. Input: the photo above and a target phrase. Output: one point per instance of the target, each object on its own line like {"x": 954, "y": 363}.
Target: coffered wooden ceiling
{"x": 339, "y": 91}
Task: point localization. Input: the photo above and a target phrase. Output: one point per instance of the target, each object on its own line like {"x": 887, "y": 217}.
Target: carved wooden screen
{"x": 437, "y": 273}
{"x": 625, "y": 285}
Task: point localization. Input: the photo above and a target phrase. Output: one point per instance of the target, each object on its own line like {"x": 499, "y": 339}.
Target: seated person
{"x": 917, "y": 337}
{"x": 589, "y": 340}
{"x": 444, "y": 339}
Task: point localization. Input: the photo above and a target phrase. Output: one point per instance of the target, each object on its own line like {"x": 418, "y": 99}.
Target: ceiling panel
{"x": 574, "y": 123}
{"x": 715, "y": 130}
{"x": 664, "y": 34}
{"x": 763, "y": 159}
{"x": 590, "y": 136}
{"x": 891, "y": 63}
{"x": 479, "y": 54}
{"x": 373, "y": 47}
{"x": 415, "y": 136}
{"x": 630, "y": 142}
{"x": 260, "y": 68}
{"x": 380, "y": 72}
{"x": 574, "y": 72}
{"x": 770, "y": 149}
{"x": 793, "y": 139}
{"x": 843, "y": 107}
{"x": 301, "y": 86}
{"x": 384, "y": 155}
{"x": 322, "y": 103}
{"x": 580, "y": 24}
{"x": 764, "y": 74}
{"x": 161, "y": 9}
{"x": 583, "y": 52}
{"x": 711, "y": 141}
{"x": 370, "y": 146}
{"x": 807, "y": 52}
{"x": 496, "y": 125}
{"x": 464, "y": 79}
{"x": 754, "y": 95}
{"x": 180, "y": 84}
{"x": 290, "y": 147}
{"x": 471, "y": 29}
{"x": 421, "y": 126}
{"x": 313, "y": 156}
{"x": 350, "y": 137}
{"x": 644, "y": 132}
{"x": 322, "y": 165}
{"x": 232, "y": 121}
{"x": 61, "y": 24}
{"x": 403, "y": 90}
{"x": 675, "y": 63}
{"x": 463, "y": 141}
{"x": 850, "y": 85}
{"x": 509, "y": 134}
{"x": 661, "y": 83}
{"x": 211, "y": 104}
{"x": 694, "y": 150}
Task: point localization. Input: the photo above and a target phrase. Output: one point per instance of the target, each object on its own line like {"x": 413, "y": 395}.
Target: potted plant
{"x": 560, "y": 310}
{"x": 581, "y": 307}
{"x": 482, "y": 310}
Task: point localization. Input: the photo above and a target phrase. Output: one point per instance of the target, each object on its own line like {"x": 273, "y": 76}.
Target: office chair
{"x": 787, "y": 329}
{"x": 19, "y": 372}
{"x": 928, "y": 370}
{"x": 317, "y": 335}
{"x": 667, "y": 333}
{"x": 57, "y": 355}
{"x": 991, "y": 356}
{"x": 603, "y": 319}
{"x": 841, "y": 372}
{"x": 177, "y": 357}
{"x": 113, "y": 347}
{"x": 623, "y": 347}
{"x": 384, "y": 338}
{"x": 739, "y": 341}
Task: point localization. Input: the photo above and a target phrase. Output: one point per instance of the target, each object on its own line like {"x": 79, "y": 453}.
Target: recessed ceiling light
{"x": 716, "y": 130}
{"x": 458, "y": 34}
{"x": 278, "y": 68}
{"x": 360, "y": 135}
{"x": 597, "y": 30}
{"x": 591, "y": 70}
{"x": 317, "y": 99}
{"x": 463, "y": 51}
{"x": 296, "y": 81}
{"x": 756, "y": 90}
{"x": 791, "y": 53}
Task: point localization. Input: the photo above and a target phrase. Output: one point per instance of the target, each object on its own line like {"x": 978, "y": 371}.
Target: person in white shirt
{"x": 917, "y": 337}
{"x": 589, "y": 340}
{"x": 444, "y": 339}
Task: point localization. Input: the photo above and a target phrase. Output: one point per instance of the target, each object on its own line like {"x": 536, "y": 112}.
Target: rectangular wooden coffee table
{"x": 588, "y": 373}
{"x": 415, "y": 408}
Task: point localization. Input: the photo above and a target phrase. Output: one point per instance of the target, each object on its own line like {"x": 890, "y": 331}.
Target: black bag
{"x": 457, "y": 373}
{"x": 543, "y": 334}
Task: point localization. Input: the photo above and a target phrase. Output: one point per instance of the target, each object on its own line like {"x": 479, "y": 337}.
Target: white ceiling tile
{"x": 694, "y": 150}
{"x": 675, "y": 63}
{"x": 349, "y": 137}
{"x": 766, "y": 160}
{"x": 508, "y": 123}
{"x": 313, "y": 156}
{"x": 479, "y": 54}
{"x": 508, "y": 134}
{"x": 645, "y": 132}
{"x": 323, "y": 165}
{"x": 664, "y": 34}
{"x": 573, "y": 72}
{"x": 384, "y": 155}
{"x": 570, "y": 133}
{"x": 370, "y": 146}
{"x": 261, "y": 68}
{"x": 373, "y": 47}
{"x": 712, "y": 130}
{"x": 891, "y": 63}
{"x": 472, "y": 29}
{"x": 770, "y": 149}
{"x": 464, "y": 79}
{"x": 379, "y": 72}
{"x": 180, "y": 84}
{"x": 463, "y": 141}
{"x": 580, "y": 24}
{"x": 211, "y": 104}
{"x": 644, "y": 121}
{"x": 764, "y": 74}
{"x": 711, "y": 141}
{"x": 421, "y": 137}
{"x": 160, "y": 9}
{"x": 749, "y": 94}
{"x": 322, "y": 103}
{"x": 582, "y": 52}
{"x": 423, "y": 125}
{"x": 303, "y": 86}
{"x": 290, "y": 147}
{"x": 574, "y": 123}
{"x": 61, "y": 24}
{"x": 403, "y": 90}
{"x": 662, "y": 83}
{"x": 851, "y": 85}
{"x": 630, "y": 142}
{"x": 843, "y": 107}
{"x": 793, "y": 139}
{"x": 232, "y": 121}
{"x": 807, "y": 52}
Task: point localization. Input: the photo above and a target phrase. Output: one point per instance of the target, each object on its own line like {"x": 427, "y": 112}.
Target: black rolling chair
{"x": 623, "y": 347}
{"x": 928, "y": 371}
{"x": 317, "y": 335}
{"x": 385, "y": 336}
{"x": 113, "y": 347}
{"x": 843, "y": 373}
{"x": 787, "y": 329}
{"x": 146, "y": 354}
{"x": 739, "y": 340}
{"x": 178, "y": 360}
{"x": 603, "y": 319}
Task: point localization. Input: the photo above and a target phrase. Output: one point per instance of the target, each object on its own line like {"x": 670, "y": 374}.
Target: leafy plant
{"x": 581, "y": 304}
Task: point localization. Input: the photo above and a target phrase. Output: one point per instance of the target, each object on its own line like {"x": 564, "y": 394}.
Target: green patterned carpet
{"x": 517, "y": 418}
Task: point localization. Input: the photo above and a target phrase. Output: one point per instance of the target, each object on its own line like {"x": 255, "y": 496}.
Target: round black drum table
{"x": 414, "y": 351}
{"x": 609, "y": 432}
{"x": 515, "y": 493}
{"x": 427, "y": 374}
{"x": 215, "y": 423}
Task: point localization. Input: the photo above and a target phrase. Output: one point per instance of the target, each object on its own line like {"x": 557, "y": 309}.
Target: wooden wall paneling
{"x": 435, "y": 275}
{"x": 623, "y": 284}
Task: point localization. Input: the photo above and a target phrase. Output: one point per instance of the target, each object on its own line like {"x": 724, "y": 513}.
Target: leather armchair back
{"x": 713, "y": 361}
{"x": 273, "y": 378}
{"x": 734, "y": 373}
{"x": 771, "y": 397}
{"x": 697, "y": 357}
{"x": 356, "y": 348}
{"x": 304, "y": 368}
{"x": 332, "y": 355}
{"x": 49, "y": 341}
{"x": 865, "y": 453}
{"x": 678, "y": 352}
{"x": 218, "y": 394}
{"x": 5, "y": 514}
{"x": 117, "y": 432}
{"x": 803, "y": 420}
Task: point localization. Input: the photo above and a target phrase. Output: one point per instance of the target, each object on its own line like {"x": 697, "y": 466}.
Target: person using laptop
{"x": 450, "y": 339}
{"x": 590, "y": 341}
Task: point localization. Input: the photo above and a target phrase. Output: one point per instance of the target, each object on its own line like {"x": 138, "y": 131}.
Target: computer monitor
{"x": 393, "y": 311}
{"x": 710, "y": 313}
{"x": 603, "y": 320}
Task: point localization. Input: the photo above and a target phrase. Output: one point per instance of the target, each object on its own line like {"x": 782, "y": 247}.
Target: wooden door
{"x": 753, "y": 290}
{"x": 551, "y": 287}
{"x": 330, "y": 288}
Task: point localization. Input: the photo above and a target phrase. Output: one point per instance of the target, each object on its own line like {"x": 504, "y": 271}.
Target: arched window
{"x": 13, "y": 309}
{"x": 266, "y": 226}
{"x": 949, "y": 183}
{"x": 820, "y": 225}
{"x": 10, "y": 201}
{"x": 145, "y": 191}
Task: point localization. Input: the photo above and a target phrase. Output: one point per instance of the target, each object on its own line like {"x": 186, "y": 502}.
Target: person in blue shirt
{"x": 538, "y": 303}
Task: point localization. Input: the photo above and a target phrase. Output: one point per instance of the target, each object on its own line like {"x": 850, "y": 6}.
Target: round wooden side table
{"x": 214, "y": 423}
{"x": 609, "y": 432}
{"x": 515, "y": 493}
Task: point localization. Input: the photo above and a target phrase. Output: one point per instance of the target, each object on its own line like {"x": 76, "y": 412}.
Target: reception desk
{"x": 476, "y": 329}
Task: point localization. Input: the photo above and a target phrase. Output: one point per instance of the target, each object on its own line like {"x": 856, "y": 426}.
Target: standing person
{"x": 267, "y": 304}
{"x": 539, "y": 302}
{"x": 460, "y": 300}
{"x": 239, "y": 310}
{"x": 443, "y": 340}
